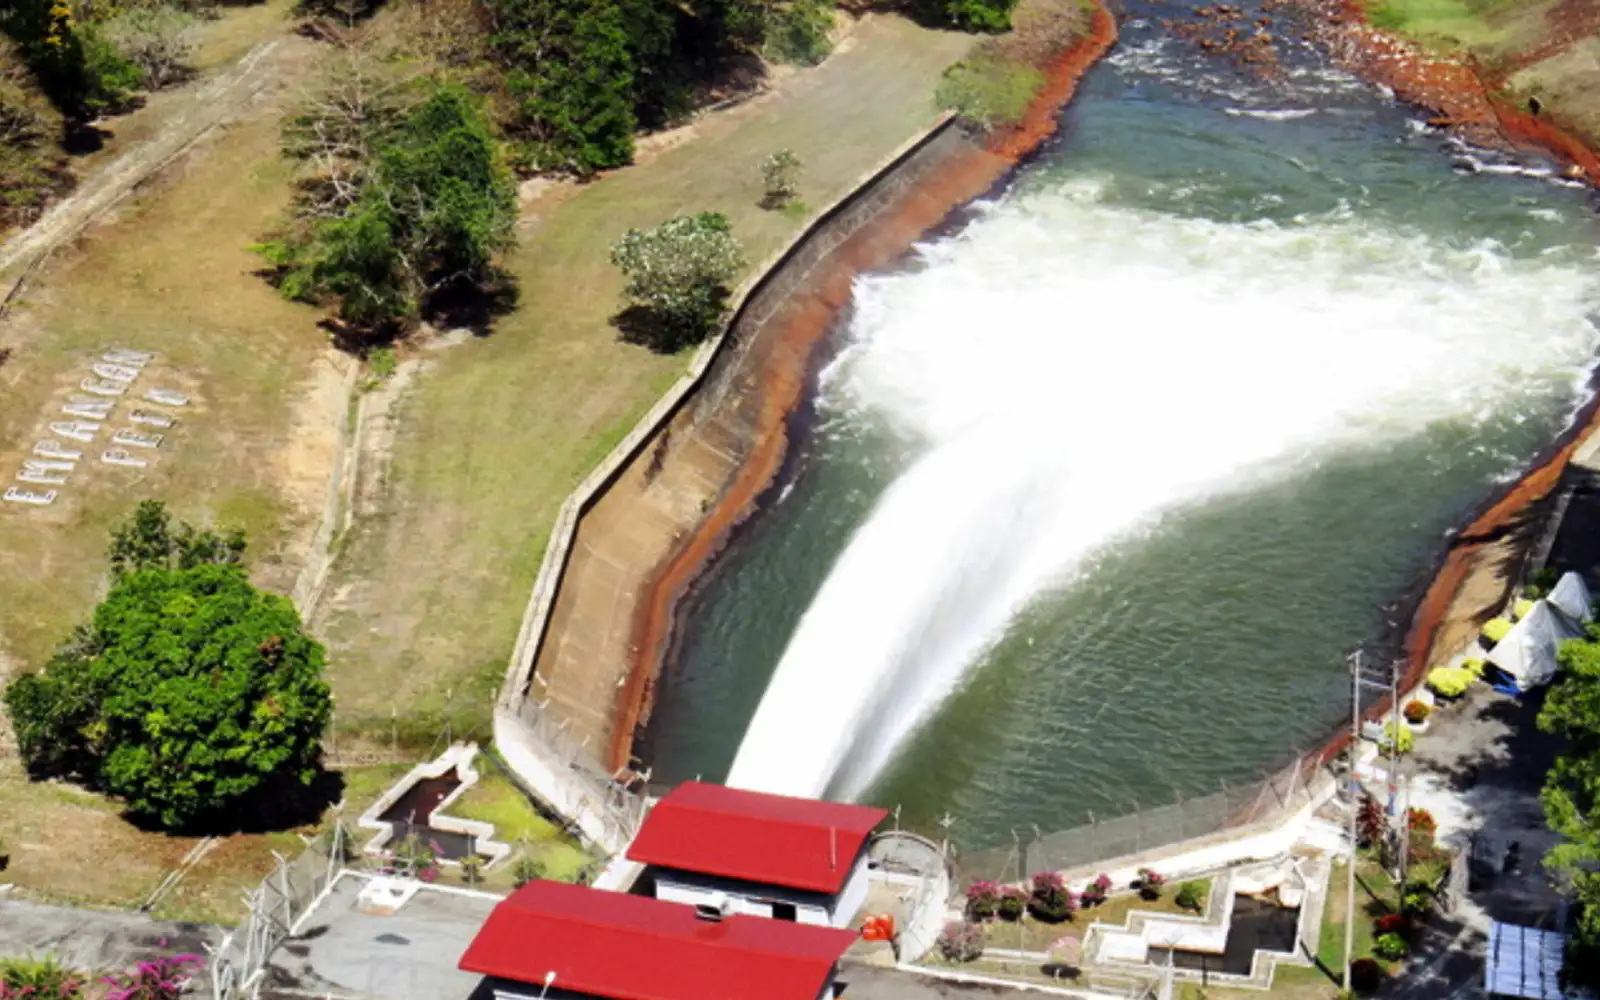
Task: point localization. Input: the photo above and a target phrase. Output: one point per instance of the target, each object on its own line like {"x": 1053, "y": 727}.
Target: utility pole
{"x": 1355, "y": 814}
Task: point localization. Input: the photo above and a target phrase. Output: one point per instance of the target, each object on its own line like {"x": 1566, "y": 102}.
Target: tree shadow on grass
{"x": 643, "y": 327}
{"x": 278, "y": 805}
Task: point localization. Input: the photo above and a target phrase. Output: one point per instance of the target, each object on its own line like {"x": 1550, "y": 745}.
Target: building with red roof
{"x": 753, "y": 853}
{"x": 568, "y": 942}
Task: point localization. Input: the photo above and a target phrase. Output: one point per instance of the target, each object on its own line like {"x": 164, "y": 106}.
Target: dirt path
{"x": 202, "y": 109}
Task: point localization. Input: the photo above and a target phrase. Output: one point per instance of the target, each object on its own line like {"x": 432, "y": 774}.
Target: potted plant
{"x": 1191, "y": 896}
{"x": 1096, "y": 892}
{"x": 960, "y": 941}
{"x": 983, "y": 900}
{"x": 1149, "y": 882}
{"x": 1050, "y": 901}
{"x": 1013, "y": 901}
{"x": 1417, "y": 712}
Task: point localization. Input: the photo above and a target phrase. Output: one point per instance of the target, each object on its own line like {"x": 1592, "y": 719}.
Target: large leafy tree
{"x": 570, "y": 67}
{"x": 1572, "y": 796}
{"x": 190, "y": 694}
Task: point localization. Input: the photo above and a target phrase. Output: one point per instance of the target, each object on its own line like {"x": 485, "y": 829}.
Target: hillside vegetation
{"x": 1542, "y": 54}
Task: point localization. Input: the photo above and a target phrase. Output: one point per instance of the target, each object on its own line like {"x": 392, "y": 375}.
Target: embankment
{"x": 739, "y": 419}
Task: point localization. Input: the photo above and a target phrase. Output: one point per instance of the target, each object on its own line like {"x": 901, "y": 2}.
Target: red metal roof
{"x": 611, "y": 944}
{"x": 772, "y": 839}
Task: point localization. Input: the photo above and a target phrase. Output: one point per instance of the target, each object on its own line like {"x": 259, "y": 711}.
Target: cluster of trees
{"x": 64, "y": 63}
{"x": 406, "y": 200}
{"x": 189, "y": 694}
{"x": 1572, "y": 798}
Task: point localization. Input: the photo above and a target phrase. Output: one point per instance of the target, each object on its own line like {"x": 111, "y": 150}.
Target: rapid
{"x": 1099, "y": 484}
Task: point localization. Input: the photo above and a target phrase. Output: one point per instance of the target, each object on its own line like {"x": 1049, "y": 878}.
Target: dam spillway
{"x": 1098, "y": 487}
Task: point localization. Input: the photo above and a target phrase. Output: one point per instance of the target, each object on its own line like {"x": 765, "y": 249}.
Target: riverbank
{"x": 966, "y": 172}
{"x": 1514, "y": 78}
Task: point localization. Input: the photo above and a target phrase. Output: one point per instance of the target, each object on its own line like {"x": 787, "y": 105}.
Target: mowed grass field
{"x": 428, "y": 592}
{"x": 168, "y": 272}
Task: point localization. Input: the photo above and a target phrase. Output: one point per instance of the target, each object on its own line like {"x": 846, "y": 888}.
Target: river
{"x": 1097, "y": 488}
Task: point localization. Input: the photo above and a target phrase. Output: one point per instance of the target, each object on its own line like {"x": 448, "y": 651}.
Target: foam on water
{"x": 1066, "y": 371}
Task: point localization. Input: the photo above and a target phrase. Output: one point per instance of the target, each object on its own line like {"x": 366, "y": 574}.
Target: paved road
{"x": 96, "y": 940}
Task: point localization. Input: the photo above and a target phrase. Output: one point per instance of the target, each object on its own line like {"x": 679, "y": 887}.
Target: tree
{"x": 148, "y": 540}
{"x": 155, "y": 39}
{"x": 991, "y": 16}
{"x": 570, "y": 72}
{"x": 426, "y": 209}
{"x": 1571, "y": 796}
{"x": 797, "y": 32}
{"x": 678, "y": 275}
{"x": 780, "y": 173}
{"x": 79, "y": 69}
{"x": 190, "y": 694}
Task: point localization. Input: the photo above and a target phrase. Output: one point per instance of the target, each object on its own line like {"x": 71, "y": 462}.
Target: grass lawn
{"x": 1375, "y": 896}
{"x": 1460, "y": 23}
{"x": 495, "y": 799}
{"x": 429, "y": 591}
{"x": 1028, "y": 934}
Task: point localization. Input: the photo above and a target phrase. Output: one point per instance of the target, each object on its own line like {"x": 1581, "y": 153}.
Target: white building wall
{"x": 847, "y": 905}
{"x": 807, "y": 911}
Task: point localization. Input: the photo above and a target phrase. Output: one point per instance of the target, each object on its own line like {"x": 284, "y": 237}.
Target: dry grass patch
{"x": 500, "y": 429}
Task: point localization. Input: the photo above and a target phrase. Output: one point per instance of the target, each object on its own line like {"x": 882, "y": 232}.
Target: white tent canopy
{"x": 1571, "y": 598}
{"x": 1523, "y": 962}
{"x": 1528, "y": 652}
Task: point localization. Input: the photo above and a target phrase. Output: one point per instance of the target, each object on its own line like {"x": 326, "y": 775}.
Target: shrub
{"x": 155, "y": 39}
{"x": 1391, "y": 947}
{"x": 1050, "y": 901}
{"x": 1415, "y": 901}
{"x": 525, "y": 870}
{"x": 163, "y": 979}
{"x": 1474, "y": 667}
{"x": 678, "y": 274}
{"x": 1495, "y": 629}
{"x": 987, "y": 91}
{"x": 1366, "y": 975}
{"x": 1393, "y": 923}
{"x": 1421, "y": 824}
{"x": 991, "y": 16}
{"x": 983, "y": 900}
{"x": 1520, "y": 609}
{"x": 1095, "y": 892}
{"x": 780, "y": 174}
{"x": 41, "y": 978}
{"x": 1013, "y": 901}
{"x": 798, "y": 32}
{"x": 1417, "y": 712}
{"x": 1450, "y": 682}
{"x": 1401, "y": 744}
{"x": 1370, "y": 823}
{"x": 1149, "y": 882}
{"x": 960, "y": 941}
{"x": 1191, "y": 896}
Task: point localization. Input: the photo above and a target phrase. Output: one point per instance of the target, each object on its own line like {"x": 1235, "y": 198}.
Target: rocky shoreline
{"x": 967, "y": 174}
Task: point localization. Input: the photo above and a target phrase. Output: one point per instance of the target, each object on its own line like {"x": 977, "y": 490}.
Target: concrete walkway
{"x": 94, "y": 940}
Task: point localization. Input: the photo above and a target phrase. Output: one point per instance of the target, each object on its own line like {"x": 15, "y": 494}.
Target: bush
{"x": 1415, "y": 901}
{"x": 1366, "y": 975}
{"x": 1050, "y": 902}
{"x": 1096, "y": 892}
{"x": 1149, "y": 882}
{"x": 1474, "y": 667}
{"x": 992, "y": 16}
{"x": 1370, "y": 822}
{"x": 1520, "y": 609}
{"x": 1495, "y": 629}
{"x": 798, "y": 32}
{"x": 678, "y": 275}
{"x": 42, "y": 978}
{"x": 987, "y": 91}
{"x": 1402, "y": 744}
{"x": 780, "y": 173}
{"x": 983, "y": 900}
{"x": 1191, "y": 896}
{"x": 188, "y": 692}
{"x": 1417, "y": 712}
{"x": 525, "y": 870}
{"x": 960, "y": 941}
{"x": 155, "y": 39}
{"x": 1421, "y": 824}
{"x": 1393, "y": 923}
{"x": 1013, "y": 901}
{"x": 1450, "y": 682}
{"x": 163, "y": 979}
{"x": 1390, "y": 947}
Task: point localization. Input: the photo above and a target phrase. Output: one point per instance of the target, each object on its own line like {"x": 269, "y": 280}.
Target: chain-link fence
{"x": 1146, "y": 830}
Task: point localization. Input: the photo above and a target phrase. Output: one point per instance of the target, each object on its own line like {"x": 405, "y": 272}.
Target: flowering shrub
{"x": 1370, "y": 822}
{"x": 1013, "y": 900}
{"x": 162, "y": 979}
{"x": 983, "y": 900}
{"x": 960, "y": 941}
{"x": 1450, "y": 682}
{"x": 1421, "y": 823}
{"x": 1149, "y": 883}
{"x": 1392, "y": 947}
{"x": 1417, "y": 712}
{"x": 1401, "y": 744}
{"x": 38, "y": 979}
{"x": 1095, "y": 892}
{"x": 1392, "y": 923}
{"x": 1520, "y": 609}
{"x": 1495, "y": 629}
{"x": 1366, "y": 975}
{"x": 1473, "y": 667}
{"x": 1050, "y": 901}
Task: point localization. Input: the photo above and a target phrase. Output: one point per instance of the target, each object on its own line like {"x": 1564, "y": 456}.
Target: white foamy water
{"x": 1070, "y": 370}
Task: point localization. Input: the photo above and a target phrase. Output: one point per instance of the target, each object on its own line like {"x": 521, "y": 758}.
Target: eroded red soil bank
{"x": 966, "y": 175}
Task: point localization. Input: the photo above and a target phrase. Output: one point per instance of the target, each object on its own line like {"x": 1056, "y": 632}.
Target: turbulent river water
{"x": 1098, "y": 487}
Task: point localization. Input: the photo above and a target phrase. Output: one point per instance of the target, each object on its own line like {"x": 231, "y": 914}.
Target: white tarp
{"x": 1528, "y": 652}
{"x": 1523, "y": 962}
{"x": 1571, "y": 598}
